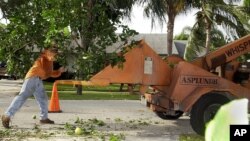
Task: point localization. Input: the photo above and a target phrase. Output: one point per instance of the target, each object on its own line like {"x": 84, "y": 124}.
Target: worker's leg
{"x": 42, "y": 99}
{"x": 26, "y": 91}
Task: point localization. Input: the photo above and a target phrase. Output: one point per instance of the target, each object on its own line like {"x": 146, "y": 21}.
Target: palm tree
{"x": 243, "y": 12}
{"x": 185, "y": 33}
{"x": 197, "y": 40}
{"x": 158, "y": 9}
{"x": 217, "y": 12}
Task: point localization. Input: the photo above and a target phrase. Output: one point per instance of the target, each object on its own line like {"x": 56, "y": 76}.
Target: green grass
{"x": 112, "y": 92}
{"x": 93, "y": 95}
{"x": 110, "y": 88}
{"x": 191, "y": 137}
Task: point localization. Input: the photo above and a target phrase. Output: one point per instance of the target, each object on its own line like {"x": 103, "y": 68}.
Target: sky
{"x": 142, "y": 24}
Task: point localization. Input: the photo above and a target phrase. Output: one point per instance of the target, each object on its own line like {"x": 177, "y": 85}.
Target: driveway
{"x": 130, "y": 118}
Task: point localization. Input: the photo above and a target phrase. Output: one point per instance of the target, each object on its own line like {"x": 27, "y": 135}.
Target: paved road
{"x": 107, "y": 110}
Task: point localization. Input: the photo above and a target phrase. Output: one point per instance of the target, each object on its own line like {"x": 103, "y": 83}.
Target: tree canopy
{"x": 80, "y": 28}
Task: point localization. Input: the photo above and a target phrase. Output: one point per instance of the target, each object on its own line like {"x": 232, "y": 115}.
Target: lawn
{"x": 111, "y": 92}
{"x": 191, "y": 137}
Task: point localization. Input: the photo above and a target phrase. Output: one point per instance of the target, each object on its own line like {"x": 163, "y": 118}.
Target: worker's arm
{"x": 57, "y": 73}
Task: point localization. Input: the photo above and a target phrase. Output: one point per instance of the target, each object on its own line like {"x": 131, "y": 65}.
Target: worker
{"x": 33, "y": 85}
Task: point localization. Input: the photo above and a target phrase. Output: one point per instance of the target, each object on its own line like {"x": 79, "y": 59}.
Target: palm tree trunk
{"x": 208, "y": 35}
{"x": 170, "y": 33}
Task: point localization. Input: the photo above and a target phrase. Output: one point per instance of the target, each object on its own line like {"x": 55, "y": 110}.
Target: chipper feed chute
{"x": 142, "y": 66}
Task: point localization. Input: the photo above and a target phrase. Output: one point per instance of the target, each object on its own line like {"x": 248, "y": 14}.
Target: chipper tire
{"x": 165, "y": 116}
{"x": 204, "y": 110}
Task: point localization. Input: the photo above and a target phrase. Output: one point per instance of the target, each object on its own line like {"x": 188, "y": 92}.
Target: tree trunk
{"x": 85, "y": 40}
{"x": 170, "y": 33}
{"x": 79, "y": 89}
{"x": 208, "y": 35}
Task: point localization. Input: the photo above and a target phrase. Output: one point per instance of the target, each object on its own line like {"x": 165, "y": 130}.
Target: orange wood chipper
{"x": 199, "y": 87}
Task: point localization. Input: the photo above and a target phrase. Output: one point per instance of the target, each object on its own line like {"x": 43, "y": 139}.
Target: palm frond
{"x": 156, "y": 11}
{"x": 125, "y": 6}
{"x": 197, "y": 39}
{"x": 231, "y": 22}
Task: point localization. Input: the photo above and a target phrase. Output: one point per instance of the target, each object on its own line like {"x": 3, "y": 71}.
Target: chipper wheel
{"x": 164, "y": 115}
{"x": 204, "y": 110}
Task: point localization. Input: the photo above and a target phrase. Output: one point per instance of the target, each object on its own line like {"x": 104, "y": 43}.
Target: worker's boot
{"x": 47, "y": 121}
{"x": 6, "y": 121}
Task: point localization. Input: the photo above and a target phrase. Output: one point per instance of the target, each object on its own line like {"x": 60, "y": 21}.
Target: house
{"x": 158, "y": 42}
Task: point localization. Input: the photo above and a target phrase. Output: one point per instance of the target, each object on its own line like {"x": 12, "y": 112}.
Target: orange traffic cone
{"x": 54, "y": 106}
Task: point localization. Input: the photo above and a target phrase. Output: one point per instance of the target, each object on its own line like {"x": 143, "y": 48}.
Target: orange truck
{"x": 198, "y": 88}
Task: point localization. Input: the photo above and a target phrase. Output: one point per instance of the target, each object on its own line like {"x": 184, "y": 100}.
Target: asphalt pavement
{"x": 128, "y": 117}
